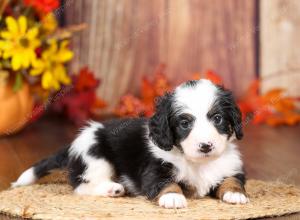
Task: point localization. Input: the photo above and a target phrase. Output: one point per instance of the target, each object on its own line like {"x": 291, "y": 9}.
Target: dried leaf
{"x": 80, "y": 103}
{"x": 273, "y": 108}
{"x": 213, "y": 77}
{"x": 85, "y": 80}
{"x": 130, "y": 106}
{"x": 210, "y": 75}
{"x": 99, "y": 103}
{"x": 147, "y": 91}
{"x": 196, "y": 76}
{"x": 161, "y": 84}
{"x": 280, "y": 119}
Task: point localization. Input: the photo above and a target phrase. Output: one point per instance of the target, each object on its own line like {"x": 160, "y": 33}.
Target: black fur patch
{"x": 123, "y": 143}
{"x": 56, "y": 161}
{"x": 191, "y": 83}
{"x": 76, "y": 167}
{"x": 231, "y": 115}
{"x": 159, "y": 125}
{"x": 179, "y": 133}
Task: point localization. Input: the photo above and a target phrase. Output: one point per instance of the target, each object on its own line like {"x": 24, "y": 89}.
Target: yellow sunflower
{"x": 19, "y": 42}
{"x": 49, "y": 23}
{"x": 51, "y": 65}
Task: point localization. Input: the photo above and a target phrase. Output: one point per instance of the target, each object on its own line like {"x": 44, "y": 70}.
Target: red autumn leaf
{"x": 253, "y": 89}
{"x": 77, "y": 106}
{"x": 273, "y": 107}
{"x": 210, "y": 75}
{"x": 251, "y": 100}
{"x": 80, "y": 103}
{"x": 285, "y": 105}
{"x": 147, "y": 91}
{"x": 251, "y": 103}
{"x": 99, "y": 103}
{"x": 279, "y": 119}
{"x": 85, "y": 80}
{"x": 260, "y": 115}
{"x": 196, "y": 76}
{"x": 130, "y": 106}
{"x": 245, "y": 108}
{"x": 161, "y": 84}
{"x": 213, "y": 77}
{"x": 37, "y": 112}
{"x": 292, "y": 118}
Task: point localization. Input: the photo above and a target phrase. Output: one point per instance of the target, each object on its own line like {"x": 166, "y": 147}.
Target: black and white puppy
{"x": 184, "y": 149}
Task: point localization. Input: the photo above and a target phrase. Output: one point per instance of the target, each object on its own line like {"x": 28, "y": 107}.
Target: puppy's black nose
{"x": 205, "y": 148}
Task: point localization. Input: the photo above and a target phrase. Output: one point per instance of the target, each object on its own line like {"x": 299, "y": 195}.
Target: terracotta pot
{"x": 15, "y": 108}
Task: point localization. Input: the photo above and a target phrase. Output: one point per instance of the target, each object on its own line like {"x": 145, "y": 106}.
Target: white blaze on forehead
{"x": 197, "y": 99}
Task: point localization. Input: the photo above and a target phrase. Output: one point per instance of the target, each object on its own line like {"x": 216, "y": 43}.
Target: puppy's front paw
{"x": 172, "y": 201}
{"x": 235, "y": 198}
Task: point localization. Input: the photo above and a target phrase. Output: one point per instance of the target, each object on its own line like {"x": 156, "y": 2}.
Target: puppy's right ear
{"x": 159, "y": 127}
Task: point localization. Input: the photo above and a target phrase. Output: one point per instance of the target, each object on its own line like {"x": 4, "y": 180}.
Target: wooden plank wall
{"x": 279, "y": 45}
{"x": 127, "y": 39}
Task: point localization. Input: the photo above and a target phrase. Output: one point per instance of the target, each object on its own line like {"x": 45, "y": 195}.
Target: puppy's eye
{"x": 184, "y": 124}
{"x": 217, "y": 119}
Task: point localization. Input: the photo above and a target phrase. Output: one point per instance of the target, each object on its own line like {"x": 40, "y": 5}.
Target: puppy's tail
{"x": 43, "y": 168}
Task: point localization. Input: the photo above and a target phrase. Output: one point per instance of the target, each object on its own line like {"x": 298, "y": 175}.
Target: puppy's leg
{"x": 171, "y": 196}
{"x": 232, "y": 190}
{"x": 158, "y": 185}
{"x": 97, "y": 179}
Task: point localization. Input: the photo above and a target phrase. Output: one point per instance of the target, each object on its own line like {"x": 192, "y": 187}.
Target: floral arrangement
{"x": 34, "y": 53}
{"x": 30, "y": 49}
{"x": 272, "y": 108}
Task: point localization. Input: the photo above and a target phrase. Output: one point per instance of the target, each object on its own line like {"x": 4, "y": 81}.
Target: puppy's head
{"x": 199, "y": 118}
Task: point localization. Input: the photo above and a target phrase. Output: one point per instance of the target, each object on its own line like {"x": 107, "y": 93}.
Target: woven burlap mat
{"x": 54, "y": 200}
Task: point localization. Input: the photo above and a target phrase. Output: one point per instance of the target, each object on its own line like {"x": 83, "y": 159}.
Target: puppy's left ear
{"x": 236, "y": 120}
{"x": 235, "y": 116}
{"x": 159, "y": 126}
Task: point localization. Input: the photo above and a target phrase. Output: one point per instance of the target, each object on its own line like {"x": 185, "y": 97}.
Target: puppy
{"x": 184, "y": 149}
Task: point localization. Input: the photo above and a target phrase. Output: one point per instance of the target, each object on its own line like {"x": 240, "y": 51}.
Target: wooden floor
{"x": 269, "y": 154}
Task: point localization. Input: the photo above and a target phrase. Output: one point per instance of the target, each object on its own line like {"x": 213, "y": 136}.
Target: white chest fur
{"x": 204, "y": 175}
